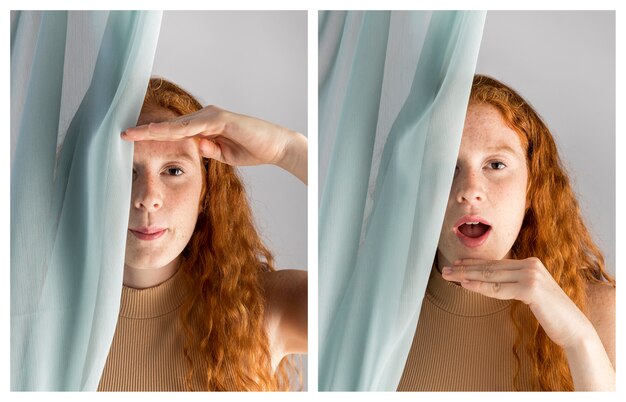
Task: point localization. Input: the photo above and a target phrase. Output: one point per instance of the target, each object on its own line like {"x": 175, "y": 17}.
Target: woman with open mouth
{"x": 518, "y": 297}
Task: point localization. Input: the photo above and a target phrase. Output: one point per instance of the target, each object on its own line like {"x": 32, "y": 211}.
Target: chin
{"x": 480, "y": 253}
{"x": 485, "y": 255}
{"x": 148, "y": 262}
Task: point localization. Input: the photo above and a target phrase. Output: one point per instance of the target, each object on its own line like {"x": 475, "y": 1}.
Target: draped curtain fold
{"x": 393, "y": 91}
{"x": 77, "y": 80}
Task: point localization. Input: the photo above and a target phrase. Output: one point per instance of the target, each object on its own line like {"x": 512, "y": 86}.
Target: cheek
{"x": 451, "y": 203}
{"x": 188, "y": 205}
{"x": 522, "y": 192}
{"x": 512, "y": 202}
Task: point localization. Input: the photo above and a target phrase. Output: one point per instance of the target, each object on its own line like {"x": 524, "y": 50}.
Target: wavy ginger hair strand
{"x": 224, "y": 317}
{"x": 553, "y": 229}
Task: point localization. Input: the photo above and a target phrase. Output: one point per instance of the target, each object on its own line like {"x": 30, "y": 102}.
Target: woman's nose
{"x": 147, "y": 193}
{"x": 469, "y": 187}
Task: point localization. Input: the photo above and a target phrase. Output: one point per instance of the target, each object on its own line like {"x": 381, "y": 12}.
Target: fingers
{"x": 487, "y": 273}
{"x": 165, "y": 131}
{"x": 484, "y": 270}
{"x": 484, "y": 279}
{"x": 496, "y": 290}
{"x": 210, "y": 149}
{"x": 475, "y": 262}
{"x": 501, "y": 279}
{"x": 205, "y": 122}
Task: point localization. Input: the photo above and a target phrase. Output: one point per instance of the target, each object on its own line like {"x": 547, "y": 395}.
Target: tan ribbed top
{"x": 147, "y": 349}
{"x": 463, "y": 342}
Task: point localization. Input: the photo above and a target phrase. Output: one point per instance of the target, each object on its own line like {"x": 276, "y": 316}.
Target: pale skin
{"x": 490, "y": 182}
{"x": 165, "y": 142}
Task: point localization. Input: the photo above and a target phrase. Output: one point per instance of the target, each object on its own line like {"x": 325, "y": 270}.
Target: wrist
{"x": 581, "y": 339}
{"x": 294, "y": 158}
{"x": 589, "y": 364}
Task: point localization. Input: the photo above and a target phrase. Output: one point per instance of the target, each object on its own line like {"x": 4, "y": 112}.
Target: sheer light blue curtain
{"x": 77, "y": 80}
{"x": 393, "y": 91}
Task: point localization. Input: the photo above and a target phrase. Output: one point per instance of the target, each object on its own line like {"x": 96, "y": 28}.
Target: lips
{"x": 148, "y": 233}
{"x": 472, "y": 230}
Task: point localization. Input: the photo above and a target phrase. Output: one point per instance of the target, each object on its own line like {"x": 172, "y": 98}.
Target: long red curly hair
{"x": 553, "y": 229}
{"x": 226, "y": 346}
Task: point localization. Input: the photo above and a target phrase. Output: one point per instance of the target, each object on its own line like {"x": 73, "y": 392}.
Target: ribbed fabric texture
{"x": 147, "y": 349}
{"x": 464, "y": 342}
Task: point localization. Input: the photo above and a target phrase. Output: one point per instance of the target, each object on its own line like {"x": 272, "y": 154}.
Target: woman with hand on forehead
{"x": 202, "y": 306}
{"x": 519, "y": 298}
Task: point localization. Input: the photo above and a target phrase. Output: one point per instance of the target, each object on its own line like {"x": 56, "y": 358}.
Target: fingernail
{"x": 446, "y": 270}
{"x": 457, "y": 262}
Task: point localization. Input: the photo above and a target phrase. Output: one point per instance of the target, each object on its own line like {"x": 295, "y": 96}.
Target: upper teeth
{"x": 472, "y": 223}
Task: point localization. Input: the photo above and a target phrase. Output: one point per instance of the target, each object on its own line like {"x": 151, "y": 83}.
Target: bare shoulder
{"x": 284, "y": 290}
{"x": 601, "y": 313}
{"x": 276, "y": 283}
{"x": 601, "y": 302}
{"x": 286, "y": 298}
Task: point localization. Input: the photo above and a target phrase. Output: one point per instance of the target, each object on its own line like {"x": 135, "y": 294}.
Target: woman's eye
{"x": 174, "y": 171}
{"x": 497, "y": 165}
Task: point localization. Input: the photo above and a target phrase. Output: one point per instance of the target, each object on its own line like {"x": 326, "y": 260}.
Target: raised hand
{"x": 232, "y": 138}
{"x": 529, "y": 281}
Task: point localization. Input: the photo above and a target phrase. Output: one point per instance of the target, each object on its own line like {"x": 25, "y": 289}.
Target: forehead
{"x": 160, "y": 151}
{"x": 485, "y": 129}
{"x": 157, "y": 151}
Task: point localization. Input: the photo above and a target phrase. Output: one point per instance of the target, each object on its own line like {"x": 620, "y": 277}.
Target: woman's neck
{"x": 141, "y": 278}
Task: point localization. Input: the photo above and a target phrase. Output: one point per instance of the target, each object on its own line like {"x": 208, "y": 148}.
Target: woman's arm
{"x": 530, "y": 282}
{"x": 592, "y": 358}
{"x": 232, "y": 138}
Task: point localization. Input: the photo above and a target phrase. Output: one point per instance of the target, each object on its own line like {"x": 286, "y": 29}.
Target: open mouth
{"x": 472, "y": 233}
{"x": 474, "y": 229}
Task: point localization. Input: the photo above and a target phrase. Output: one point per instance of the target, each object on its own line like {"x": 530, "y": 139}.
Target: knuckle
{"x": 534, "y": 268}
{"x": 488, "y": 272}
{"x": 215, "y": 111}
{"x": 534, "y": 262}
{"x": 495, "y": 288}
{"x": 533, "y": 278}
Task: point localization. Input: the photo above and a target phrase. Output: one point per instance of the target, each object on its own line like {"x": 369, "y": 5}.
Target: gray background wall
{"x": 254, "y": 63}
{"x": 563, "y": 63}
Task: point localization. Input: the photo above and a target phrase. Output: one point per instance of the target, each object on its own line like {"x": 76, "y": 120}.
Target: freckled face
{"x": 167, "y": 183}
{"x": 487, "y": 201}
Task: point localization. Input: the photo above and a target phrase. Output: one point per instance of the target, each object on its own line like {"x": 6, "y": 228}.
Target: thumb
{"x": 210, "y": 149}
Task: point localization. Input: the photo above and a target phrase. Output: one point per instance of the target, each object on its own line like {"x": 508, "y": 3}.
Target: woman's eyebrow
{"x": 180, "y": 156}
{"x": 501, "y": 149}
